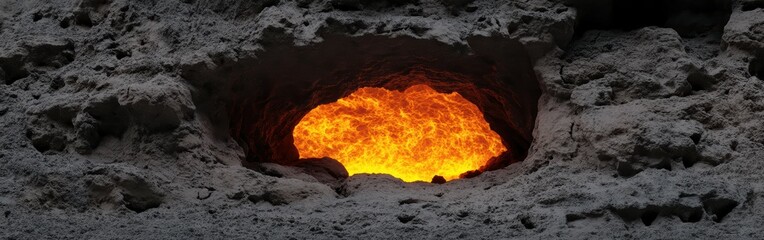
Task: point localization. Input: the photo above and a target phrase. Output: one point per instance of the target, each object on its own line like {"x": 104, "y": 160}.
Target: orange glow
{"x": 413, "y": 135}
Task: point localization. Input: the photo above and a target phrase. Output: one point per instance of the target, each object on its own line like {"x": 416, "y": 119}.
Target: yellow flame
{"x": 413, "y": 135}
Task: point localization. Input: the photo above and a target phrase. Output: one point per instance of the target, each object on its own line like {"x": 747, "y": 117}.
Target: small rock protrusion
{"x": 471, "y": 174}
{"x": 203, "y": 194}
{"x": 325, "y": 170}
{"x": 438, "y": 179}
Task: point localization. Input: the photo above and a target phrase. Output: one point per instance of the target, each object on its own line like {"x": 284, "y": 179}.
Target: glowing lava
{"x": 413, "y": 135}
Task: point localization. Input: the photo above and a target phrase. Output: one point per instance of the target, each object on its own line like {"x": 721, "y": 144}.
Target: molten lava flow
{"x": 413, "y": 135}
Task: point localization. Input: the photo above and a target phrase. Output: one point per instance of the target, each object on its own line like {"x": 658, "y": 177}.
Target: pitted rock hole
{"x": 756, "y": 67}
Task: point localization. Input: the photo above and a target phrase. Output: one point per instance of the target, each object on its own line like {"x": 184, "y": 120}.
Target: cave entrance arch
{"x": 266, "y": 97}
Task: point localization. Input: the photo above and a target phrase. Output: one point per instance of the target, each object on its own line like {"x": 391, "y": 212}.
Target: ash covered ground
{"x": 650, "y": 123}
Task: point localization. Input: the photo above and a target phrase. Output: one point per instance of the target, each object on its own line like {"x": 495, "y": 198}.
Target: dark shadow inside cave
{"x": 751, "y": 5}
{"x": 756, "y": 66}
{"x": 690, "y": 18}
{"x": 258, "y": 102}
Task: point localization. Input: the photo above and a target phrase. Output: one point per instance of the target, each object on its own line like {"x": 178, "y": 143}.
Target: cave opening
{"x": 266, "y": 97}
{"x": 415, "y": 134}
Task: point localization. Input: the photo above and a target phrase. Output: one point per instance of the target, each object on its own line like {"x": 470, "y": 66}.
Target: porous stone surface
{"x": 643, "y": 130}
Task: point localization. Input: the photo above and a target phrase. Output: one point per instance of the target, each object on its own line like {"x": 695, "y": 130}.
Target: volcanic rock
{"x": 623, "y": 119}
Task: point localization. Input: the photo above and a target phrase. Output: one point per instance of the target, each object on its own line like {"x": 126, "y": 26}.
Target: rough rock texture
{"x": 649, "y": 127}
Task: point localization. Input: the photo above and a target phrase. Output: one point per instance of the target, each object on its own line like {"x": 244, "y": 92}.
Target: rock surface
{"x": 644, "y": 130}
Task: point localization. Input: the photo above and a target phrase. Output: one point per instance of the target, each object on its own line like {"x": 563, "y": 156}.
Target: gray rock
{"x": 116, "y": 118}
